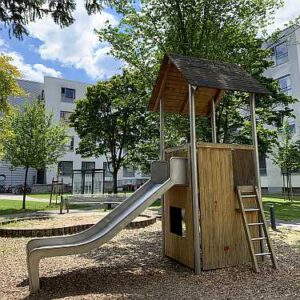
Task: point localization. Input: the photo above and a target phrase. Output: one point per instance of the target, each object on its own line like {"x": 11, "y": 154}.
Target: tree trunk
{"x": 115, "y": 181}
{"x": 24, "y": 188}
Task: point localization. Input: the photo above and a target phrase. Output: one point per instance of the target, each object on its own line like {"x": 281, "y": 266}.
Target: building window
{"x": 281, "y": 53}
{"x": 69, "y": 146}
{"x": 263, "y": 165}
{"x": 107, "y": 169}
{"x": 128, "y": 172}
{"x": 65, "y": 168}
{"x": 87, "y": 165}
{"x": 67, "y": 95}
{"x": 285, "y": 84}
{"x": 65, "y": 115}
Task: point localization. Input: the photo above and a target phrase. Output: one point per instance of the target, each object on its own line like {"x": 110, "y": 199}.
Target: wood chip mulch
{"x": 131, "y": 267}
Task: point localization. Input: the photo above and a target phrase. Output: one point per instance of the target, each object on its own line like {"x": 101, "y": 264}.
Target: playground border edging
{"x": 59, "y": 231}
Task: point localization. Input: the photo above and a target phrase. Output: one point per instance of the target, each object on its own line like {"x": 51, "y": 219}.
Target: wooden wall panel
{"x": 222, "y": 232}
{"x": 243, "y": 167}
{"x": 179, "y": 248}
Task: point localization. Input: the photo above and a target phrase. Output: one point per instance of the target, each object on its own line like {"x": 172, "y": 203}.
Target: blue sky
{"x": 75, "y": 53}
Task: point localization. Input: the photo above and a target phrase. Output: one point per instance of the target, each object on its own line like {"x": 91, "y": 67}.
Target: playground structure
{"x": 212, "y": 211}
{"x": 57, "y": 189}
{"x": 219, "y": 229}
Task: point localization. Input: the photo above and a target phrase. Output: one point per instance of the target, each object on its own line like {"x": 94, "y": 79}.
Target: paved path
{"x": 20, "y": 197}
{"x": 295, "y": 224}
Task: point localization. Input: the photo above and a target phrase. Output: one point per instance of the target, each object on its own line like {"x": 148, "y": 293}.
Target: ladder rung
{"x": 259, "y": 239}
{"x": 263, "y": 254}
{"x": 254, "y": 224}
{"x": 251, "y": 209}
{"x": 248, "y": 196}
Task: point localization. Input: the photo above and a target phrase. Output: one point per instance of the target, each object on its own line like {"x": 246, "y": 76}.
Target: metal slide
{"x": 164, "y": 175}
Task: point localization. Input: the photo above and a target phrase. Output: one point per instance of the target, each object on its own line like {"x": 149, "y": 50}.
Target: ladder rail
{"x": 247, "y": 230}
{"x": 261, "y": 222}
{"x": 265, "y": 228}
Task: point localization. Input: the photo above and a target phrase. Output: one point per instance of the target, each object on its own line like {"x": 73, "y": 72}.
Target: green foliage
{"x": 17, "y": 14}
{"x": 113, "y": 121}
{"x": 8, "y": 82}
{"x": 287, "y": 157}
{"x": 287, "y": 152}
{"x": 30, "y": 140}
{"x": 225, "y": 30}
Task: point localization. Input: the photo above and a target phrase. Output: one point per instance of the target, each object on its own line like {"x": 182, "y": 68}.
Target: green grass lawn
{"x": 284, "y": 209}
{"x": 15, "y": 206}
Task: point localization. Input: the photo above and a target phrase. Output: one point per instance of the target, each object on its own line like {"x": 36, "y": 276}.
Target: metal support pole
{"x": 162, "y": 129}
{"x": 255, "y": 143}
{"x": 194, "y": 180}
{"x": 213, "y": 121}
{"x": 256, "y": 158}
{"x": 162, "y": 157}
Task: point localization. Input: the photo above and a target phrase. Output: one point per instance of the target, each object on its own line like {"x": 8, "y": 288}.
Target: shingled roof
{"x": 211, "y": 77}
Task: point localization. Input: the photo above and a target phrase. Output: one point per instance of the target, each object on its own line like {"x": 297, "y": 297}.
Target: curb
{"x": 59, "y": 231}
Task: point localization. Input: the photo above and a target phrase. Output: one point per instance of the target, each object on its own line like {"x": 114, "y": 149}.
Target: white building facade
{"x": 59, "y": 96}
{"x": 286, "y": 69}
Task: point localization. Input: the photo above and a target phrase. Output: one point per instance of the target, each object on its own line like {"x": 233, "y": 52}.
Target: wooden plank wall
{"x": 222, "y": 234}
{"x": 177, "y": 247}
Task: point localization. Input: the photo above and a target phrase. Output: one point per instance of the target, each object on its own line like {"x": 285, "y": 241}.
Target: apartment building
{"x": 59, "y": 96}
{"x": 286, "y": 69}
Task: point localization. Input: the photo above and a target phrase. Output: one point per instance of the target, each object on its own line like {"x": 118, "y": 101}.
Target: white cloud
{"x": 34, "y": 72}
{"x": 77, "y": 45}
{"x": 2, "y": 43}
{"x": 284, "y": 15}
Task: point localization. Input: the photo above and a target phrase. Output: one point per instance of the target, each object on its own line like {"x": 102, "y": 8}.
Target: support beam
{"x": 184, "y": 104}
{"x": 194, "y": 181}
{"x": 213, "y": 122}
{"x": 161, "y": 129}
{"x": 256, "y": 160}
{"x": 254, "y": 141}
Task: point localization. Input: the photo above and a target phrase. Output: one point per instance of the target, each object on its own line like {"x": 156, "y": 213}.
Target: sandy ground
{"x": 65, "y": 220}
{"x": 131, "y": 267}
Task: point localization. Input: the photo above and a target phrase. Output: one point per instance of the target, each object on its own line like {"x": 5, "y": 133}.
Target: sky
{"x": 75, "y": 52}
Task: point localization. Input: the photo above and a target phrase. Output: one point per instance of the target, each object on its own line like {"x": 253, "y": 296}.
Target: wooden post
{"x": 254, "y": 141}
{"x": 194, "y": 180}
{"x": 256, "y": 160}
{"x": 213, "y": 121}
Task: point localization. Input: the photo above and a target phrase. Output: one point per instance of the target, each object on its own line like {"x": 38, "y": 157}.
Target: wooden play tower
{"x": 217, "y": 220}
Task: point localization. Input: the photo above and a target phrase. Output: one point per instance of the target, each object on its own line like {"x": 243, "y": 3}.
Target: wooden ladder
{"x": 244, "y": 194}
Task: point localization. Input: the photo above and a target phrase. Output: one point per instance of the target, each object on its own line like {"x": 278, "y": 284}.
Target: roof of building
{"x": 211, "y": 77}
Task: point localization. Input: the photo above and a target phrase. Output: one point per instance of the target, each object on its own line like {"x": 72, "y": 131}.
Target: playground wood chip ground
{"x": 62, "y": 221}
{"x": 131, "y": 267}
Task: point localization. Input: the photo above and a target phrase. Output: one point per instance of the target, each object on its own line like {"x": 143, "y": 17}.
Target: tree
{"x": 8, "y": 82}
{"x": 287, "y": 156}
{"x": 17, "y": 14}
{"x": 225, "y": 30}
{"x": 31, "y": 140}
{"x": 113, "y": 121}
